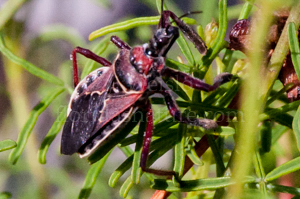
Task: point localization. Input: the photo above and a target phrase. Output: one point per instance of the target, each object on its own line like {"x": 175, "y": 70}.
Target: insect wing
{"x": 114, "y": 117}
{"x": 115, "y": 138}
{"x": 86, "y": 104}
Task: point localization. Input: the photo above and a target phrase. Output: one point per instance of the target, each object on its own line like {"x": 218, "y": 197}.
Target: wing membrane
{"x": 94, "y": 114}
{"x": 87, "y": 102}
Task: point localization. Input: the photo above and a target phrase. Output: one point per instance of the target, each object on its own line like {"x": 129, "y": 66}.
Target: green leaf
{"x": 226, "y": 98}
{"x": 158, "y": 5}
{"x": 28, "y": 66}
{"x": 7, "y": 144}
{"x": 228, "y": 60}
{"x": 33, "y": 116}
{"x": 277, "y": 132}
{"x": 129, "y": 24}
{"x": 283, "y": 189}
{"x": 126, "y": 150}
{"x": 177, "y": 65}
{"x": 179, "y": 152}
{"x": 115, "y": 176}
{"x": 125, "y": 25}
{"x": 126, "y": 187}
{"x": 177, "y": 89}
{"x": 284, "y": 169}
{"x": 199, "y": 106}
{"x": 5, "y": 195}
{"x": 217, "y": 155}
{"x": 283, "y": 119}
{"x": 278, "y": 94}
{"x": 224, "y": 131}
{"x": 296, "y": 127}
{"x": 185, "y": 49}
{"x": 54, "y": 130}
{"x": 266, "y": 136}
{"x": 192, "y": 154}
{"x": 160, "y": 146}
{"x": 294, "y": 46}
{"x": 246, "y": 9}
{"x": 164, "y": 125}
{"x": 158, "y": 128}
{"x": 91, "y": 177}
{"x": 283, "y": 109}
{"x": 168, "y": 138}
{"x": 195, "y": 185}
{"x": 279, "y": 114}
{"x": 136, "y": 170}
{"x": 218, "y": 43}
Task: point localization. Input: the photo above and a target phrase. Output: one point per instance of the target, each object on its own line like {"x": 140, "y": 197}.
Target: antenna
{"x": 161, "y": 13}
{"x": 190, "y": 13}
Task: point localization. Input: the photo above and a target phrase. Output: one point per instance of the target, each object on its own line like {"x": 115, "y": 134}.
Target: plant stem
{"x": 256, "y": 88}
{"x": 282, "y": 48}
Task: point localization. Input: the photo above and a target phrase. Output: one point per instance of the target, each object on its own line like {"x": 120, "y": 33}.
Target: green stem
{"x": 282, "y": 48}
{"x": 252, "y": 97}
{"x": 20, "y": 107}
{"x": 246, "y": 9}
{"x": 257, "y": 86}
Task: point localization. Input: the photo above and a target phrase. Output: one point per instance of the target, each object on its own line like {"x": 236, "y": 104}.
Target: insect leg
{"x": 175, "y": 112}
{"x": 197, "y": 83}
{"x": 146, "y": 145}
{"x": 119, "y": 43}
{"x": 89, "y": 54}
{"x": 187, "y": 30}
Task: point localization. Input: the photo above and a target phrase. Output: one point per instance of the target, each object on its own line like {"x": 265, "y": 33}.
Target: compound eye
{"x": 148, "y": 52}
{"x": 170, "y": 30}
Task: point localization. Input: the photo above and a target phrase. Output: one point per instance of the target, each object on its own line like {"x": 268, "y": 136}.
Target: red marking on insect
{"x": 142, "y": 61}
{"x": 104, "y": 101}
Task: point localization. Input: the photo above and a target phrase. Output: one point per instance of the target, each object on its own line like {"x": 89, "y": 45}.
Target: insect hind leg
{"x": 146, "y": 146}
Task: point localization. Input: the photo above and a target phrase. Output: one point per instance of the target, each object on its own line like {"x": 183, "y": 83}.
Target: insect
{"x": 104, "y": 101}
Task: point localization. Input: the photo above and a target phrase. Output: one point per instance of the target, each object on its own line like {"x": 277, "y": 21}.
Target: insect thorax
{"x": 133, "y": 67}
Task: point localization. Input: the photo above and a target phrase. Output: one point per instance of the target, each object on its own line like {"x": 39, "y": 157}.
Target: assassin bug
{"x": 104, "y": 101}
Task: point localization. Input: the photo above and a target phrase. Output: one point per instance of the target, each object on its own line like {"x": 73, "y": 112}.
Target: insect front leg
{"x": 146, "y": 146}
{"x": 89, "y": 54}
{"x": 175, "y": 112}
{"x": 187, "y": 30}
{"x": 119, "y": 43}
{"x": 197, "y": 83}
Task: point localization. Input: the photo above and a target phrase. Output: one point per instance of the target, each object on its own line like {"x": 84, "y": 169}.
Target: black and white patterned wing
{"x": 85, "y": 108}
